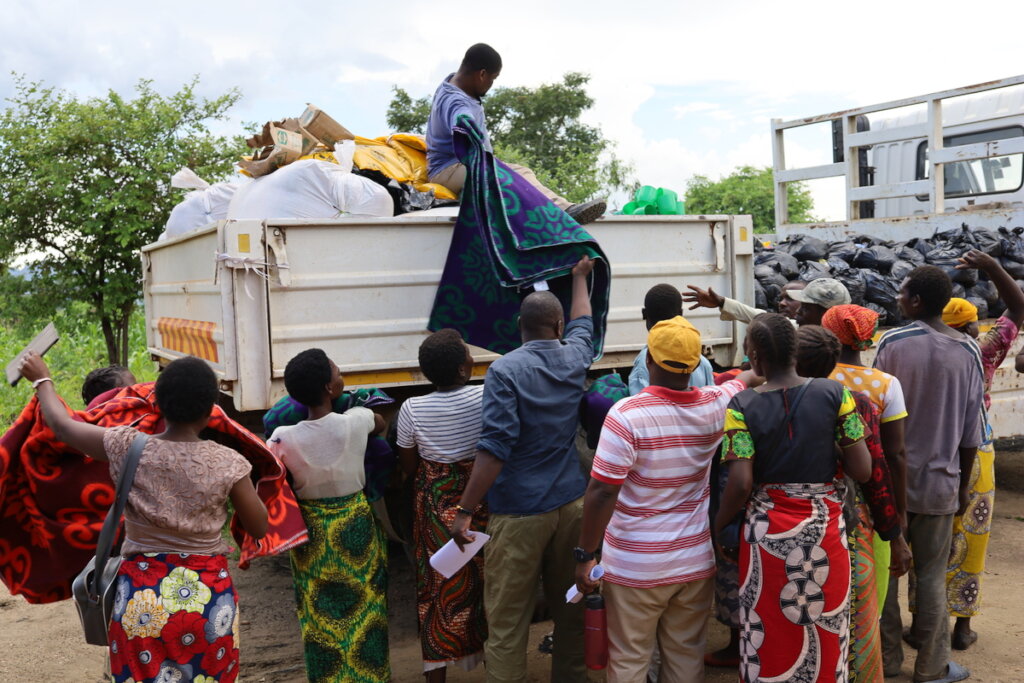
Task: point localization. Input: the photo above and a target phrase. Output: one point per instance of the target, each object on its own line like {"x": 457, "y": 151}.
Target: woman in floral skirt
{"x": 175, "y": 608}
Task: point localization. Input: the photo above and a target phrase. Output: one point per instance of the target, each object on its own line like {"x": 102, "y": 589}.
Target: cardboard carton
{"x": 279, "y": 143}
{"x": 323, "y": 127}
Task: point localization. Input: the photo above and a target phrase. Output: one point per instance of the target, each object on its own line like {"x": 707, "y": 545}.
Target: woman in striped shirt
{"x": 437, "y": 436}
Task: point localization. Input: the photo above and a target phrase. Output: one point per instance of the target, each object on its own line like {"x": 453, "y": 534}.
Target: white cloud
{"x": 764, "y": 60}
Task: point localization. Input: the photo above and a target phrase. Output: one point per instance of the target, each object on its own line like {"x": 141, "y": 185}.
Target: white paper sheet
{"x": 573, "y": 595}
{"x": 449, "y": 559}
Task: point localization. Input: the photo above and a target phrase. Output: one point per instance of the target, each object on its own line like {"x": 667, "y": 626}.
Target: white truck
{"x": 248, "y": 295}
{"x": 921, "y": 165}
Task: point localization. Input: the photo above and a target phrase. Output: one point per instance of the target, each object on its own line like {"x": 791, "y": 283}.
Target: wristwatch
{"x": 582, "y": 555}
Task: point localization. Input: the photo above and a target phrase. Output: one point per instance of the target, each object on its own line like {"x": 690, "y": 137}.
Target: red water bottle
{"x": 595, "y": 632}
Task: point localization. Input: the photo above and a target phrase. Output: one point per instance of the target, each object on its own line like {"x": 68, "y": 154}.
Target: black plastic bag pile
{"x": 872, "y": 269}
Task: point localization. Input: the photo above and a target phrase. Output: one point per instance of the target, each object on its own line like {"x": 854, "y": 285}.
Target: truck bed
{"x": 249, "y": 295}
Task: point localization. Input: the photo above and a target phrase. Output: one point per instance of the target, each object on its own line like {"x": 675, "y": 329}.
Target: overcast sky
{"x": 683, "y": 88}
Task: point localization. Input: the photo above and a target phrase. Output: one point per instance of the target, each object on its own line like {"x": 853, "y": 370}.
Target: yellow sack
{"x": 400, "y": 156}
{"x": 321, "y": 153}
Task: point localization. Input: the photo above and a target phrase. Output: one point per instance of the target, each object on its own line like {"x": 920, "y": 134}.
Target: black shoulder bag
{"x": 93, "y": 588}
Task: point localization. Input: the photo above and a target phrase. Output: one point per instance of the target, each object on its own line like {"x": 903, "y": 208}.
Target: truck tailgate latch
{"x": 718, "y": 235}
{"x": 276, "y": 242}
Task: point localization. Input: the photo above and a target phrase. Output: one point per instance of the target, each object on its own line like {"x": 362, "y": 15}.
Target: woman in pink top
{"x": 175, "y": 608}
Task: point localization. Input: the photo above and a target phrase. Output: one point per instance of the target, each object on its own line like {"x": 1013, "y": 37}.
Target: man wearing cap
{"x": 813, "y": 300}
{"x": 648, "y": 500}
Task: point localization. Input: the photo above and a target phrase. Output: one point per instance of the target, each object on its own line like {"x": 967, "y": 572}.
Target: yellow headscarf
{"x": 959, "y": 312}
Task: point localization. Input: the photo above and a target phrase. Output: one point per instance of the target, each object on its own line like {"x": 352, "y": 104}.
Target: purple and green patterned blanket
{"x": 508, "y": 237}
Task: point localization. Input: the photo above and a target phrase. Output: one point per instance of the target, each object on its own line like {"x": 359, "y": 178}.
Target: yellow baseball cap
{"x": 675, "y": 345}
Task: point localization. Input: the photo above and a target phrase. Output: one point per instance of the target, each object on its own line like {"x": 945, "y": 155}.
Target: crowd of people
{"x": 787, "y": 497}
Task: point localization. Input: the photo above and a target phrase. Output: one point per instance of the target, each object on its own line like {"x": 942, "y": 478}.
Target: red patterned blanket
{"x": 53, "y": 499}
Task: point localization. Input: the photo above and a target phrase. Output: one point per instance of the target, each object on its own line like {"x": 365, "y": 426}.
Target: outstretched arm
{"x": 1007, "y": 287}
{"x": 81, "y": 436}
{"x": 580, "y": 291}
{"x": 730, "y": 308}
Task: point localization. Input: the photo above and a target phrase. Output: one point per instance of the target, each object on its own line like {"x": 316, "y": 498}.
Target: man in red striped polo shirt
{"x": 648, "y": 500}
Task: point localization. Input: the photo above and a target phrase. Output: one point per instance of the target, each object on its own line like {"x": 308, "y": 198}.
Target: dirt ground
{"x": 43, "y": 642}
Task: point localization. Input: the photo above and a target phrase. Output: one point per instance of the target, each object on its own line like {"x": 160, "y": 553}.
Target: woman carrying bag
{"x": 175, "y": 614}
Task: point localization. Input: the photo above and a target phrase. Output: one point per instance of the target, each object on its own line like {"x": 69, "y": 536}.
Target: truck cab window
{"x": 995, "y": 175}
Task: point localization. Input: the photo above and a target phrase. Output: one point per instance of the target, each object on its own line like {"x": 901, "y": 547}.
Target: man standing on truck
{"x": 941, "y": 373}
{"x": 461, "y": 93}
{"x": 526, "y": 465}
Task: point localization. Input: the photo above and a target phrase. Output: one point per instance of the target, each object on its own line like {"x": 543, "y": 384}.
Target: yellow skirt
{"x": 970, "y": 539}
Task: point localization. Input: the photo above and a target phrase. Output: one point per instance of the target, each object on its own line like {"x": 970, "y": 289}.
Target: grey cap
{"x": 824, "y": 292}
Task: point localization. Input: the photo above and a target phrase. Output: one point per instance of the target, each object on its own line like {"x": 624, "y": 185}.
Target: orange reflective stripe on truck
{"x": 192, "y": 337}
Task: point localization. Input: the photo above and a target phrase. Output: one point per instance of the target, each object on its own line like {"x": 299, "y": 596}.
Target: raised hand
{"x": 702, "y": 298}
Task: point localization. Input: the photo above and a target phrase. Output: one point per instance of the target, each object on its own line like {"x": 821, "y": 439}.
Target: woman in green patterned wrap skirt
{"x": 341, "y": 591}
{"x": 340, "y": 575}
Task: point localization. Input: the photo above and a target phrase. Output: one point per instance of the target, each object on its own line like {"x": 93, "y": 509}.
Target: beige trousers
{"x": 673, "y": 617}
{"x": 523, "y": 550}
{"x": 454, "y": 177}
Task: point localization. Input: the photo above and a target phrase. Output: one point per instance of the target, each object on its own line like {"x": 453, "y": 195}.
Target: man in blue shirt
{"x": 664, "y": 302}
{"x": 526, "y": 465}
{"x": 461, "y": 93}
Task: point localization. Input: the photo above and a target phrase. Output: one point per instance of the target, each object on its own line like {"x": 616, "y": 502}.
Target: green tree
{"x": 84, "y": 184}
{"x": 747, "y": 190}
{"x": 406, "y": 114}
{"x": 540, "y": 128}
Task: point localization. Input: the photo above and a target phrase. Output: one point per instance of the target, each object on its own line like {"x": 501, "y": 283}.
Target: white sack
{"x": 186, "y": 179}
{"x": 200, "y": 208}
{"x": 311, "y": 189}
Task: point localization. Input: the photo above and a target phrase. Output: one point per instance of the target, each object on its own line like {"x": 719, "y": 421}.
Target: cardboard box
{"x": 278, "y": 144}
{"x": 323, "y": 127}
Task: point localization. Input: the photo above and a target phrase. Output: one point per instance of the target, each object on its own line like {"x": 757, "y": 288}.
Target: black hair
{"x": 817, "y": 351}
{"x": 307, "y": 375}
{"x": 186, "y": 390}
{"x": 101, "y": 380}
{"x": 540, "y": 310}
{"x": 933, "y": 286}
{"x": 481, "y": 56}
{"x": 663, "y": 302}
{"x": 441, "y": 356}
{"x": 774, "y": 338}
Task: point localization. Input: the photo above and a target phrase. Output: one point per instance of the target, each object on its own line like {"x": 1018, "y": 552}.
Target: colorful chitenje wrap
{"x": 341, "y": 586}
{"x": 453, "y": 626}
{"x": 175, "y": 619}
{"x": 598, "y": 399}
{"x": 508, "y": 237}
{"x": 53, "y": 499}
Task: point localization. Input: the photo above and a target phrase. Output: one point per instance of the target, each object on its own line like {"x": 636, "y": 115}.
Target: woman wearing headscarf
{"x": 870, "y": 512}
{"x": 971, "y": 530}
{"x": 855, "y": 326}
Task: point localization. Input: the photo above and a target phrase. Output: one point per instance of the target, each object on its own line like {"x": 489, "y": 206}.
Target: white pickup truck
{"x": 248, "y": 295}
{"x": 921, "y": 165}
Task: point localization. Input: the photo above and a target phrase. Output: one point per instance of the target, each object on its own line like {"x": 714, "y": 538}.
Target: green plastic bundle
{"x": 654, "y": 201}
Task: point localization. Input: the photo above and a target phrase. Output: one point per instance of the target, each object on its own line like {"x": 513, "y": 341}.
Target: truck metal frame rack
{"x": 1007, "y": 386}
{"x": 905, "y": 227}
